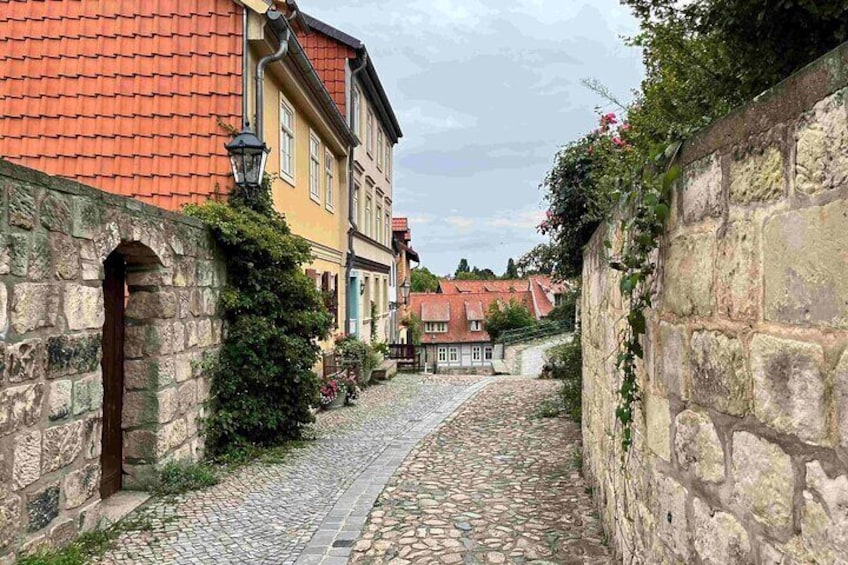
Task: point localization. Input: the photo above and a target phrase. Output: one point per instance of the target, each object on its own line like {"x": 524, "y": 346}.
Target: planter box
{"x": 337, "y": 402}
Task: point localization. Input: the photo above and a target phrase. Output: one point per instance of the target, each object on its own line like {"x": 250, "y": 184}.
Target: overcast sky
{"x": 485, "y": 92}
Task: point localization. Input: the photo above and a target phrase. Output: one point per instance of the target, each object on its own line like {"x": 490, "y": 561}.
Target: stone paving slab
{"x": 495, "y": 484}
{"x": 270, "y": 513}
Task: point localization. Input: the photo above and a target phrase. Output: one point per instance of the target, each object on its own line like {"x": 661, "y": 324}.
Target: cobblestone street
{"x": 497, "y": 484}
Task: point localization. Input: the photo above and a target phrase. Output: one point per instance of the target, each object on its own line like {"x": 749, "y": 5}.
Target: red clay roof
{"x": 474, "y": 310}
{"x": 465, "y": 287}
{"x": 124, "y": 96}
{"x": 435, "y": 311}
{"x": 544, "y": 290}
{"x": 400, "y": 224}
{"x": 459, "y": 330}
{"x": 329, "y": 57}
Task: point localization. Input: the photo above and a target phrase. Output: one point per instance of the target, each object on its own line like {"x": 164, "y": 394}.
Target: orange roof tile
{"x": 330, "y": 59}
{"x": 125, "y": 96}
{"x": 463, "y": 286}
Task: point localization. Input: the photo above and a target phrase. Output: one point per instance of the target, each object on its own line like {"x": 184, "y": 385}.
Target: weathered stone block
{"x": 210, "y": 301}
{"x": 698, "y": 447}
{"x": 20, "y": 406}
{"x": 25, "y": 360}
{"x": 821, "y": 161}
{"x": 26, "y": 468}
{"x": 182, "y": 367}
{"x": 82, "y": 485}
{"x": 84, "y": 307}
{"x": 701, "y": 194}
{"x": 63, "y": 533}
{"x": 804, "y": 284}
{"x": 841, "y": 386}
{"x": 140, "y": 408}
{"x": 720, "y": 377}
{"x": 672, "y": 526}
{"x": 789, "y": 387}
{"x": 657, "y": 424}
{"x": 719, "y": 538}
{"x": 688, "y": 280}
{"x": 147, "y": 341}
{"x": 172, "y": 435}
{"x": 149, "y": 374}
{"x": 59, "y": 400}
{"x": 141, "y": 447}
{"x": 764, "y": 481}
{"x": 191, "y": 333}
{"x": 65, "y": 256}
{"x": 673, "y": 360}
{"x": 147, "y": 278}
{"x": 757, "y": 177}
{"x": 34, "y": 305}
{"x": 87, "y": 217}
{"x": 738, "y": 277}
{"x": 151, "y": 305}
{"x": 206, "y": 273}
{"x": 42, "y": 507}
{"x": 56, "y": 213}
{"x": 22, "y": 209}
{"x": 824, "y": 520}
{"x": 62, "y": 444}
{"x": 10, "y": 520}
{"x": 92, "y": 431}
{"x": 204, "y": 333}
{"x": 179, "y": 336}
{"x": 40, "y": 259}
{"x": 73, "y": 354}
{"x": 88, "y": 393}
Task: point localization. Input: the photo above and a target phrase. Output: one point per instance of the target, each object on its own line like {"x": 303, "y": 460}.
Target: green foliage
{"x": 262, "y": 383}
{"x": 178, "y": 478}
{"x": 510, "y": 316}
{"x": 511, "y": 270}
{"x": 80, "y": 552}
{"x": 415, "y": 327}
{"x": 381, "y": 347}
{"x": 373, "y": 314}
{"x": 566, "y": 311}
{"x": 356, "y": 354}
{"x": 565, "y": 362}
{"x": 476, "y": 274}
{"x": 462, "y": 267}
{"x": 423, "y": 280}
{"x": 541, "y": 260}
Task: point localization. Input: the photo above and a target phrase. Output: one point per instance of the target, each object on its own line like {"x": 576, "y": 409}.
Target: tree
{"x": 462, "y": 267}
{"x": 541, "y": 260}
{"x": 510, "y": 316}
{"x": 511, "y": 270}
{"x": 423, "y": 280}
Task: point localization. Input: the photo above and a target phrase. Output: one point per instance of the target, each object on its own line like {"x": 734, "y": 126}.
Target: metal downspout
{"x": 245, "y": 69}
{"x": 351, "y": 254}
{"x": 260, "y": 74}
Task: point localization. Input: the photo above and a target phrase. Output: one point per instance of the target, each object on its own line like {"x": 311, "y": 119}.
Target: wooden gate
{"x": 111, "y": 456}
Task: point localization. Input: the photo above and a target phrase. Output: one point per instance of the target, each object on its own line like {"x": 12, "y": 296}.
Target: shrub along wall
{"x": 54, "y": 238}
{"x": 741, "y": 447}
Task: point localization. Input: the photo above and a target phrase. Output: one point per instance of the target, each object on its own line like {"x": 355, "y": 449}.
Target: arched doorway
{"x": 114, "y": 299}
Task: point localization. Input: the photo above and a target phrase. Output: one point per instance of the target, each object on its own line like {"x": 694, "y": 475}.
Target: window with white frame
{"x": 356, "y": 211}
{"x": 435, "y": 327}
{"x": 388, "y": 160}
{"x": 329, "y": 161}
{"x": 366, "y": 227}
{"x": 369, "y": 134}
{"x": 387, "y": 226}
{"x": 380, "y": 149}
{"x": 443, "y": 354}
{"x": 287, "y": 118}
{"x": 487, "y": 353}
{"x": 476, "y": 326}
{"x": 356, "y": 111}
{"x": 378, "y": 224}
{"x": 314, "y": 167}
{"x": 453, "y": 354}
{"x": 476, "y": 353}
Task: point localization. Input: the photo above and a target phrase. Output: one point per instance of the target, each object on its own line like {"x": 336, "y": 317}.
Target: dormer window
{"x": 557, "y": 299}
{"x": 476, "y": 326}
{"x": 436, "y": 327}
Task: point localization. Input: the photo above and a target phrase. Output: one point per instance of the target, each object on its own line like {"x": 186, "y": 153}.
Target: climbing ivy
{"x": 262, "y": 384}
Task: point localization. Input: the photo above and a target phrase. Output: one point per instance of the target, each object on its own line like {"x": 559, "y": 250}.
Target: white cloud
{"x": 524, "y": 219}
{"x": 461, "y": 224}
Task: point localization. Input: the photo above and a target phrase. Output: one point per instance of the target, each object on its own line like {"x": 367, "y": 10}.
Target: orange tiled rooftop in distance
{"x": 124, "y": 96}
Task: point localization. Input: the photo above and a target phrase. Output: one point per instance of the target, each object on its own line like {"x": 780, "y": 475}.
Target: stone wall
{"x": 528, "y": 358}
{"x": 741, "y": 446}
{"x": 54, "y": 237}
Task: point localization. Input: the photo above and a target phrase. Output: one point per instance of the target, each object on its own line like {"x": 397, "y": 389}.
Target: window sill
{"x": 288, "y": 179}
{"x": 331, "y": 209}
{"x": 315, "y": 199}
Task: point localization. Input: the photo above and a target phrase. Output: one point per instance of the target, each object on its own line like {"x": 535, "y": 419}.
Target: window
{"x": 366, "y": 227}
{"x": 388, "y": 160}
{"x": 443, "y": 354}
{"x": 356, "y": 211}
{"x": 476, "y": 353}
{"x": 487, "y": 353}
{"x": 356, "y": 110}
{"x": 314, "y": 168}
{"x": 380, "y": 149}
{"x": 387, "y": 226}
{"x": 557, "y": 299}
{"x": 476, "y": 326}
{"x": 435, "y": 327}
{"x": 369, "y": 134}
{"x": 286, "y": 141}
{"x": 453, "y": 354}
{"x": 378, "y": 224}
{"x": 329, "y": 161}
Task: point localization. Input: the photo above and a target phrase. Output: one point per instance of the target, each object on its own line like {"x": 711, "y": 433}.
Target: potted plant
{"x": 356, "y": 357}
{"x": 332, "y": 393}
{"x": 351, "y": 388}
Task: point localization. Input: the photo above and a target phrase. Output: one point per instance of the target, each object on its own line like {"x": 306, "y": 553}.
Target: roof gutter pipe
{"x": 271, "y": 16}
{"x": 351, "y": 254}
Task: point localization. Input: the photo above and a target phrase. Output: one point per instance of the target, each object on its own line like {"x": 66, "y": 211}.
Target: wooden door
{"x": 111, "y": 455}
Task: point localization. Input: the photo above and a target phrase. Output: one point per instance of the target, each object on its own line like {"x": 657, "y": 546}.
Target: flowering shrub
{"x": 356, "y": 356}
{"x": 329, "y": 390}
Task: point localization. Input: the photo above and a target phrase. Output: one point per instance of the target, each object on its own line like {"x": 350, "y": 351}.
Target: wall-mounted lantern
{"x": 247, "y": 157}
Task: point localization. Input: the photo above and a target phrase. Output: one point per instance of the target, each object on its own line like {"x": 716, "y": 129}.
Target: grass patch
{"x": 178, "y": 478}
{"x": 240, "y": 456}
{"x": 549, "y": 409}
{"x": 577, "y": 460}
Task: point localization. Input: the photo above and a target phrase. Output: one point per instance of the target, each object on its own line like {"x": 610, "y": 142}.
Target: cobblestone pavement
{"x": 496, "y": 484}
{"x": 267, "y": 513}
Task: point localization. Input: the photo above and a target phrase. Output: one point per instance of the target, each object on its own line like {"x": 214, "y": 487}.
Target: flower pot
{"x": 337, "y": 402}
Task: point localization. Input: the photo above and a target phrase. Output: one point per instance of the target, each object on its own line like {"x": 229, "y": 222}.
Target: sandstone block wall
{"x": 54, "y": 237}
{"x": 741, "y": 448}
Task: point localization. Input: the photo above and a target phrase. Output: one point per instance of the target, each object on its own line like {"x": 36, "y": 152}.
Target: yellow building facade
{"x": 310, "y": 143}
